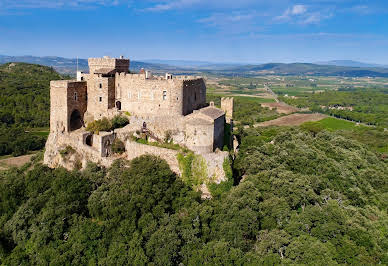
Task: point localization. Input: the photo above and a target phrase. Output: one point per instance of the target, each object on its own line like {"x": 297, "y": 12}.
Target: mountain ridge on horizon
{"x": 334, "y": 67}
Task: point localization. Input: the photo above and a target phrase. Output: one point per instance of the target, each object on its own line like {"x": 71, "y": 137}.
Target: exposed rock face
{"x": 72, "y": 150}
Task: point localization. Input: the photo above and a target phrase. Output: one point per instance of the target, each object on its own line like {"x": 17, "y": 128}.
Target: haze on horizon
{"x": 245, "y": 31}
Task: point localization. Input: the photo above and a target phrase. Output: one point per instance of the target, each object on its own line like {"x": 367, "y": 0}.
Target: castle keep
{"x": 166, "y": 106}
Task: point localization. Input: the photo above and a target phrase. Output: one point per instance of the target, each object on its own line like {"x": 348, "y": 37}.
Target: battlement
{"x": 185, "y": 80}
{"x": 65, "y": 83}
{"x": 107, "y": 64}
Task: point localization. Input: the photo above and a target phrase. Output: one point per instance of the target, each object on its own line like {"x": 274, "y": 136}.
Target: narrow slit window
{"x": 100, "y": 99}
{"x": 164, "y": 95}
{"x": 100, "y": 85}
{"x": 75, "y": 96}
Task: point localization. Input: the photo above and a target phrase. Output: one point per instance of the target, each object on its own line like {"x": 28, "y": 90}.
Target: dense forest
{"x": 370, "y": 107}
{"x": 301, "y": 197}
{"x": 24, "y": 104}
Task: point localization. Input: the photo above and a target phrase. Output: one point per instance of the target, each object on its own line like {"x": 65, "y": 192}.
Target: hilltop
{"x": 69, "y": 65}
{"x": 24, "y": 104}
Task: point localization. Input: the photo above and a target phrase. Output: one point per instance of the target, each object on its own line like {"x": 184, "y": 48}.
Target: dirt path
{"x": 15, "y": 161}
{"x": 291, "y": 120}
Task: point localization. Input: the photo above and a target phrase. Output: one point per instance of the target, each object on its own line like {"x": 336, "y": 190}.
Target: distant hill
{"x": 297, "y": 69}
{"x": 69, "y": 65}
{"x": 189, "y": 64}
{"x": 350, "y": 63}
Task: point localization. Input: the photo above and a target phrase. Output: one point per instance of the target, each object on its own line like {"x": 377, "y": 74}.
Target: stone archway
{"x": 75, "y": 120}
{"x": 118, "y": 105}
{"x": 107, "y": 148}
{"x": 89, "y": 140}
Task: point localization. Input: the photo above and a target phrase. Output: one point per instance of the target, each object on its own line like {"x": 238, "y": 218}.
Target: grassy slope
{"x": 375, "y": 138}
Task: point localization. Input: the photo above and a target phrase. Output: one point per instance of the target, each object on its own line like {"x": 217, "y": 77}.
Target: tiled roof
{"x": 212, "y": 112}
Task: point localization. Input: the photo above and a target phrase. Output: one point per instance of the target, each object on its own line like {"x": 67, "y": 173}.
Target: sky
{"x": 239, "y": 31}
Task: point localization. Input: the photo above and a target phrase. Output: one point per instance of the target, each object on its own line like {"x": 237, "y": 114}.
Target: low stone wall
{"x": 135, "y": 149}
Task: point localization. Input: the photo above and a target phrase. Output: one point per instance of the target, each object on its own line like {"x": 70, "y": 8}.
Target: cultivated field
{"x": 15, "y": 161}
{"x": 281, "y": 108}
{"x": 292, "y": 120}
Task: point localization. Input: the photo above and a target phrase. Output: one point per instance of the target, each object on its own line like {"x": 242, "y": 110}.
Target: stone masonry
{"x": 161, "y": 105}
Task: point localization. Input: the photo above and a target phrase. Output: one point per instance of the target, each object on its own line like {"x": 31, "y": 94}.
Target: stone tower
{"x": 68, "y": 105}
{"x": 227, "y": 107}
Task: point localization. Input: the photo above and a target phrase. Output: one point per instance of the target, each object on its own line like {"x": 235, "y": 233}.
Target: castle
{"x": 173, "y": 106}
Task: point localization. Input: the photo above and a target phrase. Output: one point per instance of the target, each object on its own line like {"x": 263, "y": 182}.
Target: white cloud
{"x": 221, "y": 18}
{"x": 293, "y": 11}
{"x": 301, "y": 14}
{"x": 173, "y": 5}
{"x": 298, "y": 10}
{"x": 315, "y": 18}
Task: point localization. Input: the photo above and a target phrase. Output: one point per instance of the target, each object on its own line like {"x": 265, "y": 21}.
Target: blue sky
{"x": 247, "y": 31}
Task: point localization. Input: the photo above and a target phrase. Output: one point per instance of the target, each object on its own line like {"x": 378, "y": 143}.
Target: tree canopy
{"x": 305, "y": 198}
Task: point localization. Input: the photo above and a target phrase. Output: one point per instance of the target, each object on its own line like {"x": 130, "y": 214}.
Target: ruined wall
{"x": 227, "y": 106}
{"x": 194, "y": 95}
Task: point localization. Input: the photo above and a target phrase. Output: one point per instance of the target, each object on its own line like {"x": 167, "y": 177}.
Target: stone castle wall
{"x": 199, "y": 135}
{"x": 194, "y": 95}
{"x": 100, "y": 94}
{"x": 142, "y": 96}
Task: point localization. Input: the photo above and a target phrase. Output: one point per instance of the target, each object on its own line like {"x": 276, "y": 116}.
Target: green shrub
{"x": 194, "y": 169}
{"x": 99, "y": 125}
{"x": 168, "y": 136}
{"x": 118, "y": 146}
{"x": 185, "y": 165}
{"x": 68, "y": 150}
{"x": 119, "y": 121}
{"x": 217, "y": 189}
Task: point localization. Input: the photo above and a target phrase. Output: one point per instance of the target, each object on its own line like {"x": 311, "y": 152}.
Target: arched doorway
{"x": 118, "y": 105}
{"x": 89, "y": 140}
{"x": 75, "y": 120}
{"x": 107, "y": 148}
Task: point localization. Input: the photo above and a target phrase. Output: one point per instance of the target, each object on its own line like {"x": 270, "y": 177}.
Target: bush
{"x": 99, "y": 125}
{"x": 118, "y": 146}
{"x": 119, "y": 121}
{"x": 217, "y": 189}
{"x": 68, "y": 150}
{"x": 105, "y": 124}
